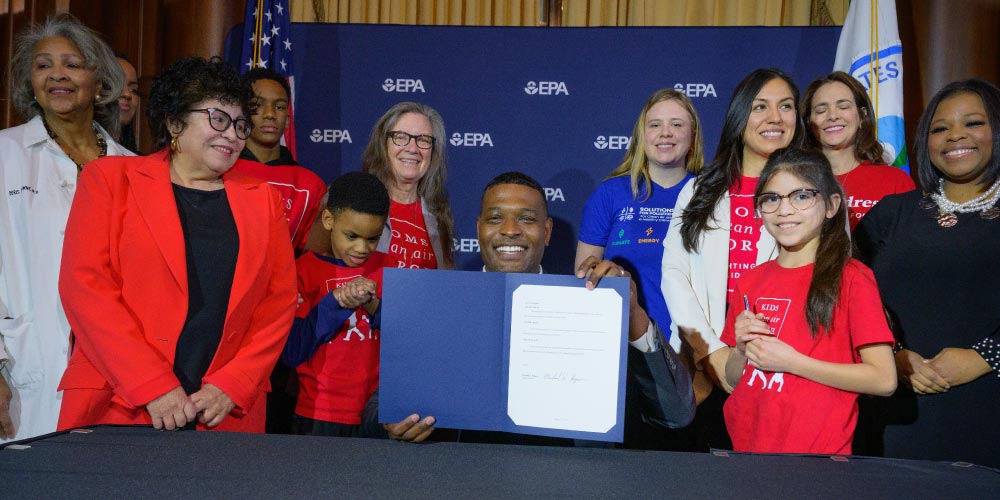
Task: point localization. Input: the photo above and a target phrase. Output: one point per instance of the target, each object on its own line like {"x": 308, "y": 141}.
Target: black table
{"x": 138, "y": 462}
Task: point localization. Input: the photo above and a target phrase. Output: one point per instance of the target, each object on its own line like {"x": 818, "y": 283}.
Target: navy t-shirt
{"x": 632, "y": 230}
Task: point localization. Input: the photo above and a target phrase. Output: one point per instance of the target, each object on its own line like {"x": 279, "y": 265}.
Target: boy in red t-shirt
{"x": 334, "y": 342}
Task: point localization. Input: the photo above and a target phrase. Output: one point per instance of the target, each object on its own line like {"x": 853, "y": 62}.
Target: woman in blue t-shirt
{"x": 626, "y": 218}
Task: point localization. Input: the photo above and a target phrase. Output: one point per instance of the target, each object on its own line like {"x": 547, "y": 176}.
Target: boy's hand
{"x": 355, "y": 293}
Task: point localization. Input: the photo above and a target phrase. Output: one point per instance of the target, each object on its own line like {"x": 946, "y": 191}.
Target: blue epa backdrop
{"x": 557, "y": 104}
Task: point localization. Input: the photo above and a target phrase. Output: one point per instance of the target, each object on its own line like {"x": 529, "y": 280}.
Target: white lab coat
{"x": 38, "y": 181}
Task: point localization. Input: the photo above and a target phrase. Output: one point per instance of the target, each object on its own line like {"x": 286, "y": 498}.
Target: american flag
{"x": 267, "y": 43}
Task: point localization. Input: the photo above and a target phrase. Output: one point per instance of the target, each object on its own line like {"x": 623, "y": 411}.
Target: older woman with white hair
{"x": 66, "y": 81}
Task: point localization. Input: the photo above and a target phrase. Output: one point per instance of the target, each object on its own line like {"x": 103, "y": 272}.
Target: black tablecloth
{"x": 138, "y": 462}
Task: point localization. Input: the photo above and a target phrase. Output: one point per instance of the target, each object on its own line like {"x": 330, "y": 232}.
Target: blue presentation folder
{"x": 445, "y": 348}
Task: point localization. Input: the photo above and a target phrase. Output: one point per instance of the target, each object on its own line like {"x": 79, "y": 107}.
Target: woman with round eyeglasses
{"x": 406, "y": 152}
{"x": 841, "y": 124}
{"x": 934, "y": 255}
{"x": 177, "y": 275}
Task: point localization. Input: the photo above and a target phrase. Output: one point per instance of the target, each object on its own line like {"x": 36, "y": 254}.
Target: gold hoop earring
{"x": 174, "y": 147}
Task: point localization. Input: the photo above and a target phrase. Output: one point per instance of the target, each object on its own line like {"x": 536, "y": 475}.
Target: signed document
{"x": 524, "y": 353}
{"x": 565, "y": 346}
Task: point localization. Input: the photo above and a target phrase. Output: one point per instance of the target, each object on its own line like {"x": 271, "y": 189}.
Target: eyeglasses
{"x": 401, "y": 139}
{"x": 800, "y": 199}
{"x": 220, "y": 121}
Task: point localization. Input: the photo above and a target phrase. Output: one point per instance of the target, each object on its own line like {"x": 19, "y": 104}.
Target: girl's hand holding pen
{"x": 749, "y": 327}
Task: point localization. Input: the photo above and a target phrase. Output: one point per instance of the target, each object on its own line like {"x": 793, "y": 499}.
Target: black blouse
{"x": 211, "y": 245}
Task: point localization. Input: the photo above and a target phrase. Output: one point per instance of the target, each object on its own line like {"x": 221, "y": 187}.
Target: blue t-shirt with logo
{"x": 631, "y": 231}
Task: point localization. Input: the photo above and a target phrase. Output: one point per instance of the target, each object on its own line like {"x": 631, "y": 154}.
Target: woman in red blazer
{"x": 177, "y": 277}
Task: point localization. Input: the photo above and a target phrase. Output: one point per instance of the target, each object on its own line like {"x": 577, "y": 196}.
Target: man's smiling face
{"x": 514, "y": 228}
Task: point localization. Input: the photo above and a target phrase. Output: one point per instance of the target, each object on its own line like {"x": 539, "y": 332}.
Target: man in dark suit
{"x": 514, "y": 228}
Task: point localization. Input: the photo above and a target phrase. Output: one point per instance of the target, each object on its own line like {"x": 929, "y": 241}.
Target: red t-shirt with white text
{"x": 410, "y": 245}
{"x": 867, "y": 184}
{"x": 337, "y": 381}
{"x": 744, "y": 232}
{"x": 301, "y": 191}
{"x": 774, "y": 412}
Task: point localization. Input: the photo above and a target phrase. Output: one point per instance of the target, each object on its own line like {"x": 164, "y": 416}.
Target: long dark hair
{"x": 727, "y": 166}
{"x": 834, "y": 242}
{"x": 866, "y": 145}
{"x": 990, "y": 94}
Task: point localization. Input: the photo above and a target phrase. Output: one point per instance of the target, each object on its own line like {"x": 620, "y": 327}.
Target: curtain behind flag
{"x": 267, "y": 43}
{"x": 870, "y": 50}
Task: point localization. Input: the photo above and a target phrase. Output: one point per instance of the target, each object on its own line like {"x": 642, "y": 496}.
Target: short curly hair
{"x": 257, "y": 74}
{"x": 360, "y": 192}
{"x": 187, "y": 82}
{"x": 97, "y": 56}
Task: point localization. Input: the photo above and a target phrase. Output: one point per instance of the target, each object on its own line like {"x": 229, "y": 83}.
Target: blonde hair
{"x": 636, "y": 165}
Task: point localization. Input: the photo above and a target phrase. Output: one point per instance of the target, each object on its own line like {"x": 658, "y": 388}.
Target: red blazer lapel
{"x": 154, "y": 195}
{"x": 246, "y": 200}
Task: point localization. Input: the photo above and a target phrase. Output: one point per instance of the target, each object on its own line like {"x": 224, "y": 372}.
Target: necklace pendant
{"x": 946, "y": 219}
{"x": 927, "y": 202}
{"x": 990, "y": 213}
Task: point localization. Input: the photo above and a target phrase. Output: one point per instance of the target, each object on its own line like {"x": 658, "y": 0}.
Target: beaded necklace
{"x": 102, "y": 145}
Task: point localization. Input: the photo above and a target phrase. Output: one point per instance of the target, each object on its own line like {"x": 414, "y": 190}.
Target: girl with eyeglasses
{"x": 177, "y": 273}
{"x": 406, "y": 152}
{"x": 807, "y": 333}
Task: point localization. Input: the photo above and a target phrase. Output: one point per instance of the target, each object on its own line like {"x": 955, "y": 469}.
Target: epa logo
{"x": 696, "y": 89}
{"x": 554, "y": 194}
{"x": 465, "y": 245}
{"x": 546, "y": 88}
{"x": 472, "y": 139}
{"x": 330, "y": 135}
{"x": 405, "y": 85}
{"x": 612, "y": 142}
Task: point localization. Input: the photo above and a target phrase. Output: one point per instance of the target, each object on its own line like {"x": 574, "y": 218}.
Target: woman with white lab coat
{"x": 66, "y": 81}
